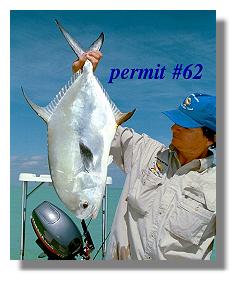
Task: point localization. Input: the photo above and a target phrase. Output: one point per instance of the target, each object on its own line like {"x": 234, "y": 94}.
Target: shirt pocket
{"x": 143, "y": 192}
{"x": 189, "y": 220}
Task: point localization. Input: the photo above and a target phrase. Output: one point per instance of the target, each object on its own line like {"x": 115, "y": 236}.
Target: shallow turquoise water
{"x": 45, "y": 193}
{"x": 213, "y": 256}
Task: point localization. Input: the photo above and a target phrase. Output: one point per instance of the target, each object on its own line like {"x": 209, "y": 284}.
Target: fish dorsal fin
{"x": 46, "y": 112}
{"x": 41, "y": 111}
{"x": 119, "y": 116}
{"x": 86, "y": 156}
{"x": 51, "y": 107}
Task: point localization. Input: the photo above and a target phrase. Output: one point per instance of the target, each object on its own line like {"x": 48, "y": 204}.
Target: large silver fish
{"x": 81, "y": 124}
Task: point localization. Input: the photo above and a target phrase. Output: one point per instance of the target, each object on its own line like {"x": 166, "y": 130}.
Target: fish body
{"x": 79, "y": 138}
{"x": 81, "y": 123}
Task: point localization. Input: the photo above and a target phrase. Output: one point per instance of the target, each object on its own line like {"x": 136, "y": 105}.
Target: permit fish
{"x": 81, "y": 123}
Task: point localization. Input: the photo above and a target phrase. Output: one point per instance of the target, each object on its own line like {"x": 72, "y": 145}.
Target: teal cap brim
{"x": 181, "y": 119}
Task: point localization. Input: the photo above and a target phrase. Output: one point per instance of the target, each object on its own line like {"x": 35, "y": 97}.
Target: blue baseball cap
{"x": 197, "y": 110}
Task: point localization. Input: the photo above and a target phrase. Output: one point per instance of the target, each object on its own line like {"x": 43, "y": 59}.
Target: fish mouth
{"x": 84, "y": 214}
{"x": 95, "y": 213}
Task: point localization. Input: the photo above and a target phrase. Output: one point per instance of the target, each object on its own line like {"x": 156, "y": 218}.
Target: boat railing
{"x": 25, "y": 178}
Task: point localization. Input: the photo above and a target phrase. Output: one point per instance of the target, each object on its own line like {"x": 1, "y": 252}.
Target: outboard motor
{"x": 57, "y": 234}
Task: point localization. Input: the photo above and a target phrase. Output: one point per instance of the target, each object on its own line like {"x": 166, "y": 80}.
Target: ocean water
{"x": 47, "y": 193}
{"x": 44, "y": 193}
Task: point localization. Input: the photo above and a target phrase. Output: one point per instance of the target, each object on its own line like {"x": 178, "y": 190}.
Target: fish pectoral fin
{"x": 110, "y": 159}
{"x": 86, "y": 156}
{"x": 123, "y": 117}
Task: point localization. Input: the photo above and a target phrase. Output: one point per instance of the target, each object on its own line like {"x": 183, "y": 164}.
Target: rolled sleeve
{"x": 122, "y": 147}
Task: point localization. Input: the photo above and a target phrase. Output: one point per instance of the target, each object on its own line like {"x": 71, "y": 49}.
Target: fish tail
{"x": 71, "y": 41}
{"x": 96, "y": 45}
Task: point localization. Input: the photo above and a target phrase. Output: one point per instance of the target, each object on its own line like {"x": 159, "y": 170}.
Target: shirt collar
{"x": 206, "y": 162}
{"x": 199, "y": 165}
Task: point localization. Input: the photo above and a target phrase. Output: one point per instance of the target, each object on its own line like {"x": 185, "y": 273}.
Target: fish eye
{"x": 85, "y": 204}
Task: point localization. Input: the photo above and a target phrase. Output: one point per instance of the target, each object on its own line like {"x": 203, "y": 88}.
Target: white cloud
{"x": 37, "y": 157}
{"x": 31, "y": 164}
{"x": 26, "y": 163}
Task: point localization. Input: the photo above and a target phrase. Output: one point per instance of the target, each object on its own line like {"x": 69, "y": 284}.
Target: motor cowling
{"x": 57, "y": 234}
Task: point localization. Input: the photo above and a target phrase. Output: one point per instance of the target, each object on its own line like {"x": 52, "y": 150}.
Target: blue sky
{"x": 41, "y": 62}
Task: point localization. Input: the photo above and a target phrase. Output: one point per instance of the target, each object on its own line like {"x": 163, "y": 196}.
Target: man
{"x": 167, "y": 209}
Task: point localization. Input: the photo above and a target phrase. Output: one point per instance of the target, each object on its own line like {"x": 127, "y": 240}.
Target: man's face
{"x": 190, "y": 141}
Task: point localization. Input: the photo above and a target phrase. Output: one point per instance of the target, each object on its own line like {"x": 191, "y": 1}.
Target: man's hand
{"x": 93, "y": 56}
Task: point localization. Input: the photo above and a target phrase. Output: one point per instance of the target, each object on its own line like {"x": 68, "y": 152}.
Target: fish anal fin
{"x": 123, "y": 117}
{"x": 119, "y": 116}
{"x": 86, "y": 156}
